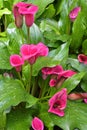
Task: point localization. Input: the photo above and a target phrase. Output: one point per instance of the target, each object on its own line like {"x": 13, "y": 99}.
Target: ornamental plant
{"x": 43, "y": 65}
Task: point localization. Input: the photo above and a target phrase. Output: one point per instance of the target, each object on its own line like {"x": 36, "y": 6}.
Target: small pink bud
{"x": 82, "y": 58}
{"x": 74, "y": 13}
{"x": 85, "y": 100}
{"x": 52, "y": 82}
{"x": 37, "y": 124}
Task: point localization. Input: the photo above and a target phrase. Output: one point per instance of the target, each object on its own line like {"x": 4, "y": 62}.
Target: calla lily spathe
{"x": 32, "y": 52}
{"x": 58, "y": 102}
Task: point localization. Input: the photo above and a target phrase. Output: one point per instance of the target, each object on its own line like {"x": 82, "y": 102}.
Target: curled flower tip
{"x": 67, "y": 73}
{"x": 74, "y": 13}
{"x": 16, "y": 61}
{"x": 82, "y": 58}
{"x": 37, "y": 124}
{"x": 58, "y": 102}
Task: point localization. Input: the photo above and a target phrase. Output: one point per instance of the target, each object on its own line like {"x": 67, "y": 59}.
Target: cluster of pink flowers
{"x": 57, "y": 73}
{"x": 29, "y": 53}
{"x": 74, "y": 13}
{"x": 57, "y": 104}
{"x": 22, "y": 9}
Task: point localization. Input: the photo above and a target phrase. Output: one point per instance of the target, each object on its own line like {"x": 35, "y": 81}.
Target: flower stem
{"x": 21, "y": 33}
{"x": 43, "y": 88}
{"x": 35, "y": 86}
{"x": 19, "y": 75}
{"x": 30, "y": 77}
{"x": 28, "y": 34}
{"x": 44, "y": 98}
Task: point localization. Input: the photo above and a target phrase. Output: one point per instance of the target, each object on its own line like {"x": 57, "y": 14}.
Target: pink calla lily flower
{"x": 74, "y": 13}
{"x": 51, "y": 70}
{"x": 17, "y": 15}
{"x": 37, "y": 124}
{"x": 57, "y": 72}
{"x": 58, "y": 102}
{"x": 29, "y": 14}
{"x": 24, "y": 9}
{"x": 32, "y": 52}
{"x": 16, "y": 61}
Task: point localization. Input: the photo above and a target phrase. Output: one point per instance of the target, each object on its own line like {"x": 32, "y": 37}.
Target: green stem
{"x": 35, "y": 86}
{"x": 5, "y": 23}
{"x": 44, "y": 87}
{"x": 21, "y": 33}
{"x": 30, "y": 77}
{"x": 44, "y": 98}
{"x": 19, "y": 75}
{"x": 28, "y": 34}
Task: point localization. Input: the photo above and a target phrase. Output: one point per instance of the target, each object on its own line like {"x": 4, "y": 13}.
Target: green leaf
{"x": 73, "y": 81}
{"x": 60, "y": 54}
{"x": 43, "y": 62}
{"x": 1, "y": 4}
{"x": 42, "y": 5}
{"x": 19, "y": 120}
{"x": 64, "y": 22}
{"x": 84, "y": 47}
{"x": 35, "y": 35}
{"x": 11, "y": 93}
{"x": 84, "y": 82}
{"x": 4, "y": 59}
{"x": 15, "y": 38}
{"x": 4, "y": 41}
{"x": 31, "y": 100}
{"x": 77, "y": 65}
{"x": 2, "y": 120}
{"x": 47, "y": 11}
{"x": 4, "y": 11}
{"x": 49, "y": 25}
{"x": 77, "y": 34}
{"x": 75, "y": 117}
